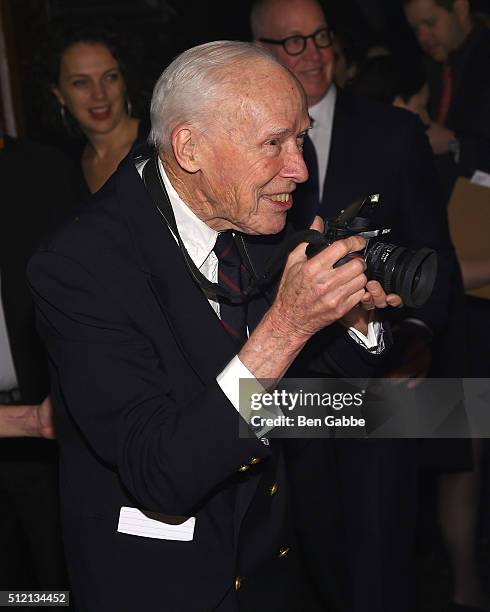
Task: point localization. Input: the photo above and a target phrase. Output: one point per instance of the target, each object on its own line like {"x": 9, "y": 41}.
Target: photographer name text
{"x": 303, "y": 421}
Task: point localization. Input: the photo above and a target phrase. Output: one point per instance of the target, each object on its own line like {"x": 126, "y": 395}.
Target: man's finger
{"x": 394, "y": 300}
{"x": 318, "y": 224}
{"x": 339, "y": 249}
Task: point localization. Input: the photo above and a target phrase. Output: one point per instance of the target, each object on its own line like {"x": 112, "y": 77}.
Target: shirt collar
{"x": 198, "y": 238}
{"x": 322, "y": 111}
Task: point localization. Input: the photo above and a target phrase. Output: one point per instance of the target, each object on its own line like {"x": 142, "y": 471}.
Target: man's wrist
{"x": 270, "y": 350}
{"x": 20, "y": 421}
{"x": 454, "y": 147}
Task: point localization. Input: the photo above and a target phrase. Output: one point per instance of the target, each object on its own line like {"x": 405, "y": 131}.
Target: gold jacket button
{"x": 243, "y": 468}
{"x": 238, "y": 583}
{"x": 283, "y": 552}
{"x": 274, "y": 489}
{"x": 254, "y": 461}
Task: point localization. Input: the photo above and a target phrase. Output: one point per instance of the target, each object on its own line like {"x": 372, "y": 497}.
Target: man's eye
{"x": 273, "y": 142}
{"x": 79, "y": 83}
{"x": 113, "y": 76}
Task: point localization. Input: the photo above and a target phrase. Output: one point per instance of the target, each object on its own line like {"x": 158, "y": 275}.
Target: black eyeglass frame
{"x": 313, "y": 36}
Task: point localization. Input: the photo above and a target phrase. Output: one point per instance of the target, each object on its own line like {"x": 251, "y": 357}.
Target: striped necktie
{"x": 231, "y": 273}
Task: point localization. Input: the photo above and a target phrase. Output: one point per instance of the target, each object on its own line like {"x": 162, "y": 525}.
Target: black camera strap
{"x": 258, "y": 283}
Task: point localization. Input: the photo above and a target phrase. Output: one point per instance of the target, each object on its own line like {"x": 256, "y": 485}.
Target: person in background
{"x": 88, "y": 80}
{"x": 458, "y": 50}
{"x": 346, "y": 59}
{"x": 37, "y": 191}
{"x": 457, "y": 45}
{"x": 394, "y": 80}
{"x": 353, "y": 149}
{"x": 403, "y": 84}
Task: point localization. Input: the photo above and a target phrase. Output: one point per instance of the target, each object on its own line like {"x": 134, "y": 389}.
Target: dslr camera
{"x": 409, "y": 273}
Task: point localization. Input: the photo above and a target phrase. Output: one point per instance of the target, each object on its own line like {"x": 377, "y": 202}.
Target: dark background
{"x": 154, "y": 31}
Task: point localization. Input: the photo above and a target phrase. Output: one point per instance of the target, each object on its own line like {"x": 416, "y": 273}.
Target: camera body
{"x": 409, "y": 273}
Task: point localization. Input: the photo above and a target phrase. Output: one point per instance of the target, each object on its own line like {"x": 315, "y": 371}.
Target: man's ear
{"x": 185, "y": 145}
{"x": 461, "y": 9}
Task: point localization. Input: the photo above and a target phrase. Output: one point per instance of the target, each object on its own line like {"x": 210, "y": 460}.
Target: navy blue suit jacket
{"x": 135, "y": 349}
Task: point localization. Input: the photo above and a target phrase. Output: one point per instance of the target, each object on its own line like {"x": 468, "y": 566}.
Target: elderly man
{"x": 357, "y": 147}
{"x": 164, "y": 505}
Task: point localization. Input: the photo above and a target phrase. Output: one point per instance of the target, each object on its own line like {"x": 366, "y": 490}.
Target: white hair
{"x": 193, "y": 82}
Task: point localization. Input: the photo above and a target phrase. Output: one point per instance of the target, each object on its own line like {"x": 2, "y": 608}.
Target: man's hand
{"x": 439, "y": 136}
{"x": 313, "y": 294}
{"x": 44, "y": 414}
{"x": 375, "y": 297}
{"x": 27, "y": 421}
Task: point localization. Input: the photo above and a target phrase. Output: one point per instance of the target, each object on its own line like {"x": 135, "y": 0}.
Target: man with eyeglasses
{"x": 357, "y": 147}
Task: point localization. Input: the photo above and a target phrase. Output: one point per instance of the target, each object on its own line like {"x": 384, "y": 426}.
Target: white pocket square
{"x": 155, "y": 525}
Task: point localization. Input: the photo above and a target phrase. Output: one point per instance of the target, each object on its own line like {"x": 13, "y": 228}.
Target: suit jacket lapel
{"x": 198, "y": 331}
{"x": 339, "y": 164}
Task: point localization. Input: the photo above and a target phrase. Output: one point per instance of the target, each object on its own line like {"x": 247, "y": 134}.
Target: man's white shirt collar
{"x": 198, "y": 238}
{"x": 322, "y": 112}
{"x": 320, "y": 134}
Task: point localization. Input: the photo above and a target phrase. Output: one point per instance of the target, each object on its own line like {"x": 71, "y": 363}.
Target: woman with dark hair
{"x": 88, "y": 81}
{"x": 404, "y": 84}
{"x": 394, "y": 81}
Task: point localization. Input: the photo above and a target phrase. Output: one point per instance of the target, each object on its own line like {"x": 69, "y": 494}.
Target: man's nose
{"x": 311, "y": 50}
{"x": 295, "y": 167}
{"x": 424, "y": 35}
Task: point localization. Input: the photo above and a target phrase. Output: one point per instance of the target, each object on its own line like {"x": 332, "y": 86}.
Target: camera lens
{"x": 409, "y": 273}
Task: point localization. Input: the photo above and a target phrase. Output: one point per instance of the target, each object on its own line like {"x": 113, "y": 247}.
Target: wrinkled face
{"x": 438, "y": 31}
{"x": 417, "y": 104}
{"x": 313, "y": 67}
{"x": 91, "y": 87}
{"x": 252, "y": 153}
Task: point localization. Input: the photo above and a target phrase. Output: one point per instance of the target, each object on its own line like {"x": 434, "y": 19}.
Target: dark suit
{"x": 469, "y": 110}
{"x": 376, "y": 148}
{"x": 35, "y": 189}
{"x": 469, "y": 117}
{"x": 135, "y": 349}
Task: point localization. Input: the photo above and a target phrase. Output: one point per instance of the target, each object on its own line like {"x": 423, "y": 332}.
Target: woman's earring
{"x": 129, "y": 106}
{"x": 64, "y": 120}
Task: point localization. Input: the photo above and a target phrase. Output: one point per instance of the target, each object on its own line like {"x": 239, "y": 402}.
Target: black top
{"x": 82, "y": 190}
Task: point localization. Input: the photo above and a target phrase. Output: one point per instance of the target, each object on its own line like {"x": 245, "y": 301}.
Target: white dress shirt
{"x": 321, "y": 132}
{"x": 199, "y": 240}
